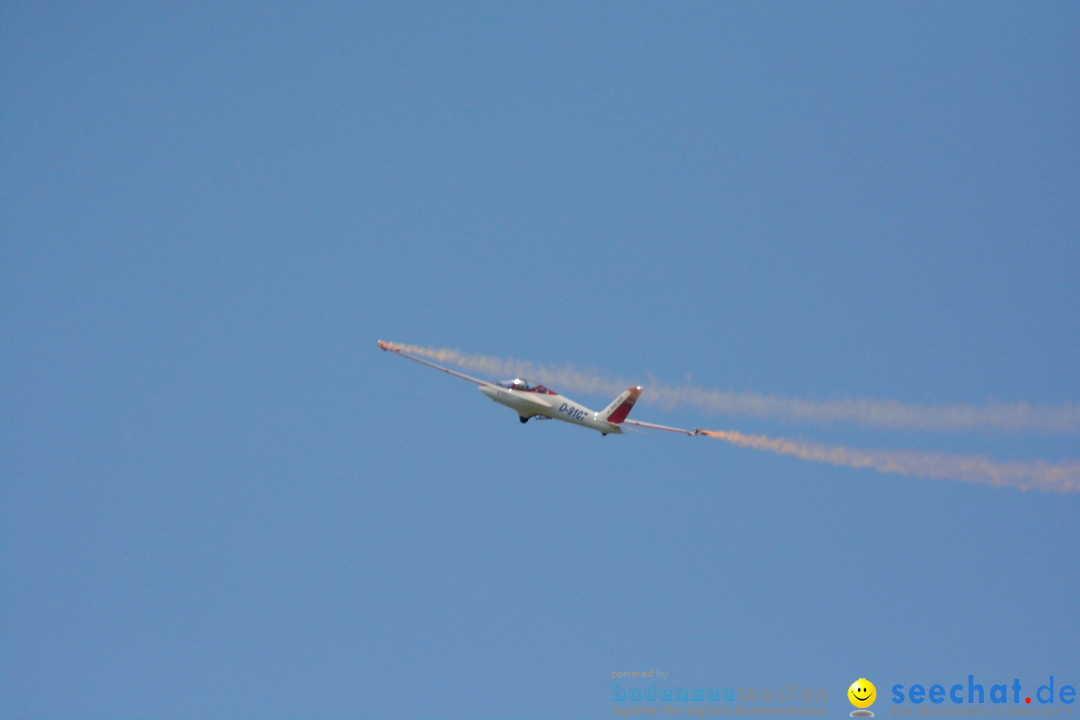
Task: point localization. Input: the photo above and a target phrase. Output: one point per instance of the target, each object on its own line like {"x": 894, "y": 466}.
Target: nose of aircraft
{"x": 488, "y": 390}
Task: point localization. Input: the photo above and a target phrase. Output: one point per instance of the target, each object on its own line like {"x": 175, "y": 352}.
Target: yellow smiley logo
{"x": 862, "y": 693}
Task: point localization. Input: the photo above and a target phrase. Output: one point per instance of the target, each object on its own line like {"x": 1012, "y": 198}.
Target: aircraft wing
{"x": 395, "y": 348}
{"x": 657, "y": 427}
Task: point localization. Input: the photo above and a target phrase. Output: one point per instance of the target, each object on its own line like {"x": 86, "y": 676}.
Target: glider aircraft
{"x": 530, "y": 401}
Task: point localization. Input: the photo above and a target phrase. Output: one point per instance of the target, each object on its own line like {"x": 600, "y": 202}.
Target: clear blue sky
{"x": 220, "y": 500}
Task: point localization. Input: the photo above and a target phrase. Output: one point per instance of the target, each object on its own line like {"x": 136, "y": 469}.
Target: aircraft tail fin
{"x": 620, "y": 407}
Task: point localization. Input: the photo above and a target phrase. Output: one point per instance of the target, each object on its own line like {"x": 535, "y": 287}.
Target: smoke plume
{"x": 1036, "y": 475}
{"x": 1011, "y": 417}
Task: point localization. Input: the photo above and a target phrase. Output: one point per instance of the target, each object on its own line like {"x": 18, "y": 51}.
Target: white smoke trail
{"x": 1035, "y": 475}
{"x": 1013, "y": 417}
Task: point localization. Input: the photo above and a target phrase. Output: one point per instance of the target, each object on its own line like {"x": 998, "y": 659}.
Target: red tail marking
{"x": 619, "y": 414}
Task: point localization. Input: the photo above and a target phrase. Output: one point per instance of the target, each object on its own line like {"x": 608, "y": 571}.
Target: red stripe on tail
{"x": 619, "y": 414}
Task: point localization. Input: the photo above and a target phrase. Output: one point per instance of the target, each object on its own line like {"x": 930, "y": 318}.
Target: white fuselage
{"x": 529, "y": 404}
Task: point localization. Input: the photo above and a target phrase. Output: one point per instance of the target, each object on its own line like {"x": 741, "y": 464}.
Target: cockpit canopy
{"x": 525, "y": 386}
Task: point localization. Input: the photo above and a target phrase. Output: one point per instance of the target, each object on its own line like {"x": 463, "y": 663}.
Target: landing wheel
{"x": 523, "y": 419}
